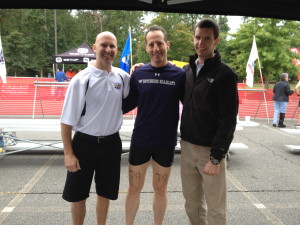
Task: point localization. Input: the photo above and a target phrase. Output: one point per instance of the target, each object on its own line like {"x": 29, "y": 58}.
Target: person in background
{"x": 281, "y": 92}
{"x": 60, "y": 75}
{"x": 70, "y": 73}
{"x": 93, "y": 109}
{"x": 60, "y": 89}
{"x": 298, "y": 93}
{"x": 208, "y": 122}
{"x": 155, "y": 89}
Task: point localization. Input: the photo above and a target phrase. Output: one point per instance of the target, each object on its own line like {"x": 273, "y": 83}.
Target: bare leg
{"x": 298, "y": 121}
{"x": 160, "y": 182}
{"x": 136, "y": 182}
{"x": 78, "y": 212}
{"x": 102, "y": 209}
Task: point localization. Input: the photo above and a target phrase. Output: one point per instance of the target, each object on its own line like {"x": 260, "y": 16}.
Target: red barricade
{"x": 19, "y": 96}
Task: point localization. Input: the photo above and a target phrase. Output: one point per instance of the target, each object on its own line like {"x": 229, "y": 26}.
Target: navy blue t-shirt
{"x": 156, "y": 92}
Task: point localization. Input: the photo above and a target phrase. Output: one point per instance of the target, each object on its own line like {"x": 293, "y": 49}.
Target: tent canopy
{"x": 82, "y": 54}
{"x": 280, "y": 9}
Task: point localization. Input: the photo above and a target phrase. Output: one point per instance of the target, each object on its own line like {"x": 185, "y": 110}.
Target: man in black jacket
{"x": 281, "y": 92}
{"x": 207, "y": 126}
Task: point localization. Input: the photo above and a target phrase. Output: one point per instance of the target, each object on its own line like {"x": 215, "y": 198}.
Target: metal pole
{"x": 34, "y": 98}
{"x": 262, "y": 83}
{"x": 55, "y": 40}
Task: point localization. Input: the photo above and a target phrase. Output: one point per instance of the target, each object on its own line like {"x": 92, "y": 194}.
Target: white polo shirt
{"x": 103, "y": 99}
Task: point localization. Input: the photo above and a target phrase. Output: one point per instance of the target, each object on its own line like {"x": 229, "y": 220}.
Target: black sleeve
{"x": 181, "y": 96}
{"x": 130, "y": 102}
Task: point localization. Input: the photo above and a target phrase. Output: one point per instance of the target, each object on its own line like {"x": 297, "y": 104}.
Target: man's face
{"x": 205, "y": 43}
{"x": 105, "y": 49}
{"x": 157, "y": 48}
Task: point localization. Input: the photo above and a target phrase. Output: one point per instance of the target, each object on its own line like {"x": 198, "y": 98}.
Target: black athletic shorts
{"x": 99, "y": 155}
{"x": 140, "y": 155}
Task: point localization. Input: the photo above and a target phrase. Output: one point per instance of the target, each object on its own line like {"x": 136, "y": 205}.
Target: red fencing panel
{"x": 24, "y": 96}
{"x": 259, "y": 104}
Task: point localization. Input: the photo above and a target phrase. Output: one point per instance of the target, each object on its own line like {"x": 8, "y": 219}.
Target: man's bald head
{"x": 105, "y": 34}
{"x": 106, "y": 49}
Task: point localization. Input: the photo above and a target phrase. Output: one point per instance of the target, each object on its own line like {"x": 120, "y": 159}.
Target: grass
{"x": 258, "y": 85}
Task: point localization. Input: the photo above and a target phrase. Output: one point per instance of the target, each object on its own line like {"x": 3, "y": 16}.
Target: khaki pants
{"x": 205, "y": 196}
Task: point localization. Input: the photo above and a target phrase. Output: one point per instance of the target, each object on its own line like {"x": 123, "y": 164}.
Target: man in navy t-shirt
{"x": 155, "y": 89}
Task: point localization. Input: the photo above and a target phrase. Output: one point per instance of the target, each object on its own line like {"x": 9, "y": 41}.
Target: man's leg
{"x": 276, "y": 112}
{"x": 192, "y": 182}
{"x": 298, "y": 121}
{"x": 136, "y": 182}
{"x": 102, "y": 209}
{"x": 78, "y": 210}
{"x": 215, "y": 188}
{"x": 282, "y": 110}
{"x": 160, "y": 181}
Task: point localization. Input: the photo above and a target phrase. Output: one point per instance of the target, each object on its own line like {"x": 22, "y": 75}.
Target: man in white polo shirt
{"x": 93, "y": 109}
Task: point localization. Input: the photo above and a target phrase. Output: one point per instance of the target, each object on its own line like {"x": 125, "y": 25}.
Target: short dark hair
{"x": 59, "y": 68}
{"x": 209, "y": 23}
{"x": 156, "y": 28}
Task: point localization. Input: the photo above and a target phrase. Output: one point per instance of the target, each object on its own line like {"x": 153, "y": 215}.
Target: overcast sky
{"x": 234, "y": 23}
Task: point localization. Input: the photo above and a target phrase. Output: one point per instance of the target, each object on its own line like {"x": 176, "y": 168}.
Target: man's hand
{"x": 173, "y": 64}
{"x": 134, "y": 67}
{"x": 211, "y": 169}
{"x": 72, "y": 163}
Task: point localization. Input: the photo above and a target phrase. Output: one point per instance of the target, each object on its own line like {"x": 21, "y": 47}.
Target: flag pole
{"x": 261, "y": 77}
{"x": 130, "y": 47}
{"x": 262, "y": 84}
{"x": 130, "y": 65}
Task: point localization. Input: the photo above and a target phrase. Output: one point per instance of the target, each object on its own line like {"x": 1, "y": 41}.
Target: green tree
{"x": 16, "y": 62}
{"x": 39, "y": 38}
{"x": 273, "y": 38}
{"x": 180, "y": 30}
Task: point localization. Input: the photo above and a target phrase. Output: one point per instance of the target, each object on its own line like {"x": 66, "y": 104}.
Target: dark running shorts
{"x": 140, "y": 155}
{"x": 103, "y": 159}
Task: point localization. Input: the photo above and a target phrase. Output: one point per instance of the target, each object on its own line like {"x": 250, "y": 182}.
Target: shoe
{"x": 281, "y": 120}
{"x": 281, "y": 125}
{"x": 274, "y": 125}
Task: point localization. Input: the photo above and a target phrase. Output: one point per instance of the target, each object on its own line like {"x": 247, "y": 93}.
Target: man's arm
{"x": 297, "y": 88}
{"x": 137, "y": 65}
{"x": 227, "y": 113}
{"x": 71, "y": 162}
{"x": 65, "y": 77}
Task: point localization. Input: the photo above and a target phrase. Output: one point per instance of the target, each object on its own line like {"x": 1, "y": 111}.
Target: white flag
{"x": 250, "y": 64}
{"x": 2, "y": 64}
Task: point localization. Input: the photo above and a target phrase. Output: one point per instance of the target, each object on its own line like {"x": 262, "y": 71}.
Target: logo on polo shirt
{"x": 117, "y": 86}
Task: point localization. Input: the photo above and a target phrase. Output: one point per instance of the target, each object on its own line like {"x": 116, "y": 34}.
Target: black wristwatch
{"x": 214, "y": 161}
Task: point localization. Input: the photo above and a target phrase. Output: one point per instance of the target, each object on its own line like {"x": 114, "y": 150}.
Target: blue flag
{"x": 125, "y": 58}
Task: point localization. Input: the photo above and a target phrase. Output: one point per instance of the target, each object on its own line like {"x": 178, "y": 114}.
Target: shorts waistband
{"x": 98, "y": 139}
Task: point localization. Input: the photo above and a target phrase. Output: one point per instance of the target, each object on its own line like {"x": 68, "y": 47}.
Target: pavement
{"x": 263, "y": 184}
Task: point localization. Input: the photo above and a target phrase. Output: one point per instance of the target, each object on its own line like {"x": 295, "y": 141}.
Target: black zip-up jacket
{"x": 282, "y": 91}
{"x": 210, "y": 105}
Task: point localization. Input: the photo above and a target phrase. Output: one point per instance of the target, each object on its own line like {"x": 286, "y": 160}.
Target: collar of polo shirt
{"x": 98, "y": 72}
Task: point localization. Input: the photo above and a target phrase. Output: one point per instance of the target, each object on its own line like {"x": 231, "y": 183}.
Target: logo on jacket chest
{"x": 210, "y": 80}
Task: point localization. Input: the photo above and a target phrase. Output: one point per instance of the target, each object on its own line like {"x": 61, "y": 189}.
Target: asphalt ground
{"x": 263, "y": 185}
